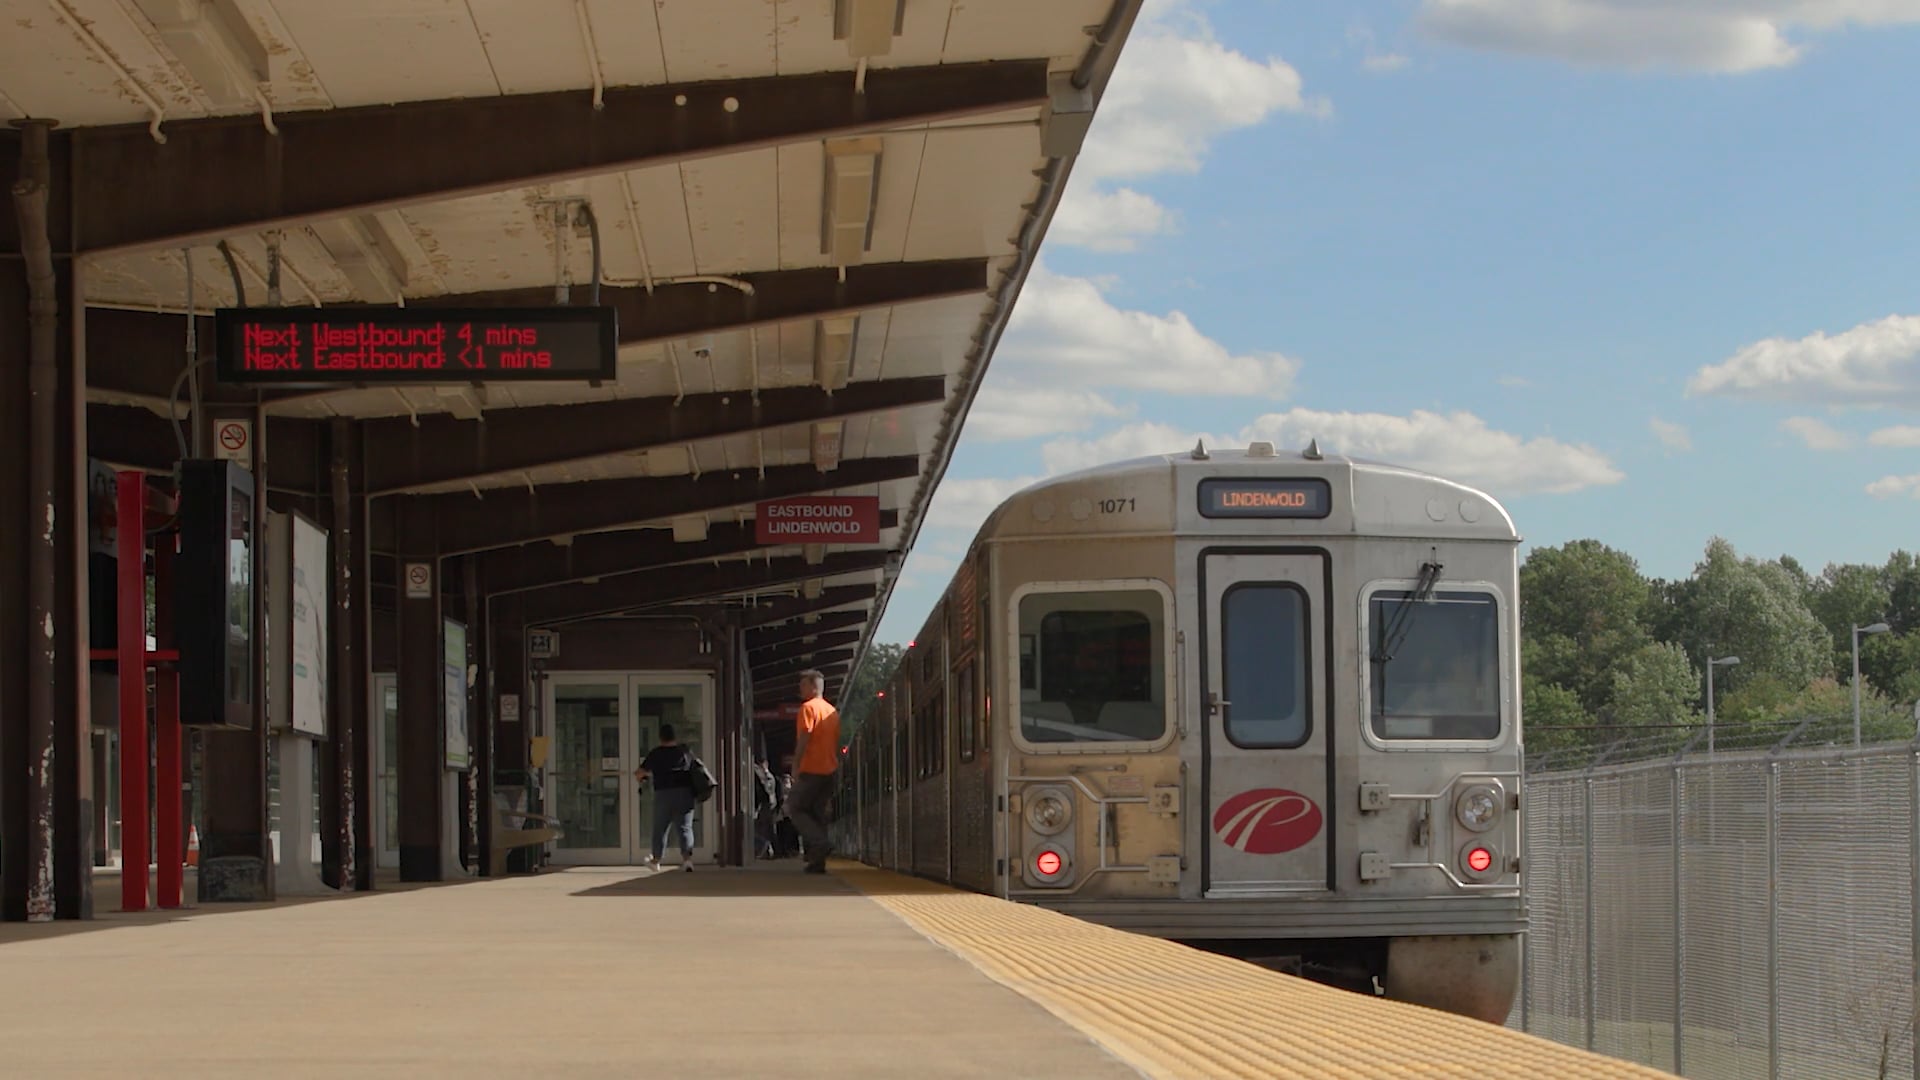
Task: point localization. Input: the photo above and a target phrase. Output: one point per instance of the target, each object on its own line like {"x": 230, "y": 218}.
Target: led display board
{"x": 1265, "y": 497}
{"x": 398, "y": 346}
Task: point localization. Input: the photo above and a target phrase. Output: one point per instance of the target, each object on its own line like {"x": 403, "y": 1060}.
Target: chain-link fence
{"x": 1745, "y": 913}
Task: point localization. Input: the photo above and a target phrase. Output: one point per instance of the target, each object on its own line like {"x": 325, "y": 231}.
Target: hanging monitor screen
{"x": 322, "y": 346}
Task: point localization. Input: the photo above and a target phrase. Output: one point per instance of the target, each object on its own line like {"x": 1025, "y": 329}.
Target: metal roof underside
{"x": 814, "y": 216}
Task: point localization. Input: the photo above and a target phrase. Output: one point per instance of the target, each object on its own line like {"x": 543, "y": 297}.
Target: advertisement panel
{"x": 312, "y": 609}
{"x": 459, "y": 748}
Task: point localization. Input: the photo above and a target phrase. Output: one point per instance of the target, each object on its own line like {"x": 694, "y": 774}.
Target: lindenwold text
{"x": 327, "y": 346}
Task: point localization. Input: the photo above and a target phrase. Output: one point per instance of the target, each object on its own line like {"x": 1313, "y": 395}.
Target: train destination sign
{"x": 389, "y": 346}
{"x": 1265, "y": 497}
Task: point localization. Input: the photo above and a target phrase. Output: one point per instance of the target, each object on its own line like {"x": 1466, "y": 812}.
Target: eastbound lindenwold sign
{"x": 394, "y": 346}
{"x": 837, "y": 519}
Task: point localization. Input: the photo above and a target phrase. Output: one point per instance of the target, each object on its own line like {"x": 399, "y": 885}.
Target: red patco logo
{"x": 1267, "y": 821}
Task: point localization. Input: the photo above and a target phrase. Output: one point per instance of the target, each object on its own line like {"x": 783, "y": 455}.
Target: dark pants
{"x": 672, "y": 809}
{"x": 807, "y": 806}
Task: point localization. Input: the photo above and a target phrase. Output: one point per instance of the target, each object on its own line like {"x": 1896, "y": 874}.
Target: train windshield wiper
{"x": 1400, "y": 624}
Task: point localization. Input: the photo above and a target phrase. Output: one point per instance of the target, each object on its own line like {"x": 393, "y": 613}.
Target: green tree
{"x": 1754, "y": 610}
{"x": 876, "y": 669}
{"x": 1903, "y": 592}
{"x": 1655, "y": 686}
{"x": 1580, "y": 609}
{"x": 1552, "y": 718}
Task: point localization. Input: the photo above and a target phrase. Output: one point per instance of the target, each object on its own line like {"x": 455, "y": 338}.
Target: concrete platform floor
{"x": 581, "y": 973}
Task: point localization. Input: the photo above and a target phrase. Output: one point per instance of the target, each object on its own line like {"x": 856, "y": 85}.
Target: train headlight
{"x": 1478, "y": 807}
{"x": 1048, "y": 812}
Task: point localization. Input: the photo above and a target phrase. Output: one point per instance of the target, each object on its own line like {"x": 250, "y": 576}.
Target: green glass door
{"x": 588, "y": 773}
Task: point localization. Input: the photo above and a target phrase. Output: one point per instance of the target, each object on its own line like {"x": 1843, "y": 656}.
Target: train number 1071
{"x": 1116, "y": 506}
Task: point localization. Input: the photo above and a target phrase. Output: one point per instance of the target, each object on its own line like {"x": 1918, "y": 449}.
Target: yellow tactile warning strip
{"x": 1173, "y": 1011}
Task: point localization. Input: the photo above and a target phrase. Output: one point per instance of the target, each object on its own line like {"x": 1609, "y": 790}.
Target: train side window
{"x": 1434, "y": 670}
{"x": 1264, "y": 658}
{"x": 963, "y": 709}
{"x": 1093, "y": 666}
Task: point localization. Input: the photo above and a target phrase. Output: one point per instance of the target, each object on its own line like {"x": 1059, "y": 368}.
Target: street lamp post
{"x": 1876, "y": 628}
{"x": 1725, "y": 661}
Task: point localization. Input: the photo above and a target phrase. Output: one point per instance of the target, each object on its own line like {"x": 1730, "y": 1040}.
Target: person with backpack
{"x": 676, "y": 776}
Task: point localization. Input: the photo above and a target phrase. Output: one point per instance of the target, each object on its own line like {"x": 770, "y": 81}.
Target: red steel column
{"x": 169, "y": 839}
{"x": 131, "y": 614}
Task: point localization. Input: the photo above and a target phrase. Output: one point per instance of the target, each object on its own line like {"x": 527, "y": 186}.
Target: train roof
{"x": 1371, "y": 498}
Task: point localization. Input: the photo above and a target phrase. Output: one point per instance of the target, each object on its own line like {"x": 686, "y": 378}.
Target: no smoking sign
{"x": 233, "y": 440}
{"x": 419, "y": 581}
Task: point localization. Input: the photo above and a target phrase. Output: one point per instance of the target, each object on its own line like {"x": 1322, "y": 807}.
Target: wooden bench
{"x": 532, "y": 831}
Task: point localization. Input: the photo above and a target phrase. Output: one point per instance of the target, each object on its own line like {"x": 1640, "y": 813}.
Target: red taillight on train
{"x": 1479, "y": 860}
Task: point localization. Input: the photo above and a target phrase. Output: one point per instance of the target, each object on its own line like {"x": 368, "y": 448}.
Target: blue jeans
{"x": 673, "y": 808}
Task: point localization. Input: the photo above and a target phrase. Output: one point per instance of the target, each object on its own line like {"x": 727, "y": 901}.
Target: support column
{"x": 423, "y": 743}
{"x": 46, "y": 782}
{"x": 235, "y": 849}
{"x": 481, "y": 714}
{"x": 346, "y": 852}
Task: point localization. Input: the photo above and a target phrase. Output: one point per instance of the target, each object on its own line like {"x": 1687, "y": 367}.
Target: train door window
{"x": 1434, "y": 665}
{"x": 1264, "y": 653}
{"x": 1093, "y": 666}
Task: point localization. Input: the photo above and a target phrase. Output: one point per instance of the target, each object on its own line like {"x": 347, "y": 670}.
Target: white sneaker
{"x": 650, "y": 863}
{"x": 686, "y": 863}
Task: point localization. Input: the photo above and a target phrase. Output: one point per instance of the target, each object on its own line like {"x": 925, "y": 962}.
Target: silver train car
{"x": 1265, "y": 703}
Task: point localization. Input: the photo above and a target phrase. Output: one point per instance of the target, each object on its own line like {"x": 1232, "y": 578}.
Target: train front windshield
{"x": 1435, "y": 665}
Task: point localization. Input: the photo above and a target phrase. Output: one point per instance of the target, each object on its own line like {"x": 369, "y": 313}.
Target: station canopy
{"x": 810, "y": 217}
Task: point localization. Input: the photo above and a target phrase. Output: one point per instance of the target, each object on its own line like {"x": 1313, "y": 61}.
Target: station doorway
{"x": 603, "y": 725}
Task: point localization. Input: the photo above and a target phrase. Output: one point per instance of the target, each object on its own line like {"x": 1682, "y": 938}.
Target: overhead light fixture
{"x": 833, "y": 341}
{"x": 815, "y": 554}
{"x": 368, "y": 255}
{"x": 868, "y": 26}
{"x": 811, "y": 590}
{"x": 215, "y": 43}
{"x": 852, "y": 183}
{"x": 464, "y": 402}
{"x": 1067, "y": 116}
{"x": 690, "y": 530}
{"x": 828, "y": 436}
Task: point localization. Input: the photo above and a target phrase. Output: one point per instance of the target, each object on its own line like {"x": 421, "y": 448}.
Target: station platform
{"x": 721, "y": 972}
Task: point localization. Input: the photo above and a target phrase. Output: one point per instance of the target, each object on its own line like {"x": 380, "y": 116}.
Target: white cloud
{"x": 1459, "y": 446}
{"x": 1896, "y": 436}
{"x": 1894, "y": 487}
{"x": 1384, "y": 62}
{"x": 1176, "y": 90}
{"x": 1120, "y": 444}
{"x": 964, "y": 504}
{"x": 1065, "y": 328}
{"x": 1107, "y": 220}
{"x": 1514, "y": 381}
{"x": 1004, "y": 411}
{"x": 1684, "y": 35}
{"x": 1816, "y": 434}
{"x": 1873, "y": 364}
{"x": 1671, "y": 435}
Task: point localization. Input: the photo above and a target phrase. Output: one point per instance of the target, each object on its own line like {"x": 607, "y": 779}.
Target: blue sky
{"x": 1646, "y": 270}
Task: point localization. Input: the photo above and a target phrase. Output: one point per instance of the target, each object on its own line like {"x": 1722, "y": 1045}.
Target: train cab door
{"x": 1265, "y": 702}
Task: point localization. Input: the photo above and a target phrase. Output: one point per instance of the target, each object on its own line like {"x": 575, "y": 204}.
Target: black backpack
{"x": 700, "y": 779}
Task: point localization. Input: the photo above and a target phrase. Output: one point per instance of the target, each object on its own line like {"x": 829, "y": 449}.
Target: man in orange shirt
{"x": 816, "y": 758}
